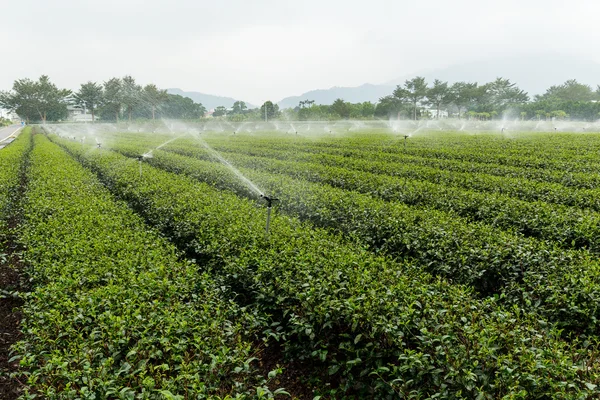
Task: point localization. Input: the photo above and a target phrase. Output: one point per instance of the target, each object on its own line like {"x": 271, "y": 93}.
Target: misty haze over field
{"x": 271, "y": 49}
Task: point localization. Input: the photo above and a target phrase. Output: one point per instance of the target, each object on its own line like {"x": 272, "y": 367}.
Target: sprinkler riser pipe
{"x": 268, "y": 220}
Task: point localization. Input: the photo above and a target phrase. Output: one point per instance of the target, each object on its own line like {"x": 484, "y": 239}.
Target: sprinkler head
{"x": 140, "y": 158}
{"x": 269, "y": 200}
{"x": 99, "y": 145}
{"x": 406, "y": 137}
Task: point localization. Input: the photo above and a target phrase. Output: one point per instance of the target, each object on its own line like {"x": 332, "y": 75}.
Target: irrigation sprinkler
{"x": 405, "y": 137}
{"x": 99, "y": 144}
{"x": 269, "y": 201}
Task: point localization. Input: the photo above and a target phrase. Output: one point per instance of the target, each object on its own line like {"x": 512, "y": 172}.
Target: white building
{"x": 9, "y": 115}
{"x": 78, "y": 114}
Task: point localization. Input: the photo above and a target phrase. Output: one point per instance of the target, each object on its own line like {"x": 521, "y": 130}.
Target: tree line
{"x": 499, "y": 98}
{"x": 113, "y": 100}
{"x": 415, "y": 99}
{"x": 123, "y": 98}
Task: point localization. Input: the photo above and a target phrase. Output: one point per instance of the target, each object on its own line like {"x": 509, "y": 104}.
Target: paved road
{"x": 5, "y": 134}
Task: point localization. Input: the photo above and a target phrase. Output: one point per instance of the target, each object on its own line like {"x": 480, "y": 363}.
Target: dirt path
{"x": 10, "y": 318}
{"x": 11, "y": 283}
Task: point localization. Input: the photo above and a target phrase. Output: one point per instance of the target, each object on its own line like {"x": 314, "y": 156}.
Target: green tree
{"x": 269, "y": 110}
{"x": 340, "y": 108}
{"x": 389, "y": 106}
{"x": 539, "y": 114}
{"x": 113, "y": 97}
{"x": 179, "y": 107}
{"x": 154, "y": 97}
{"x": 131, "y": 94}
{"x": 90, "y": 96}
{"x": 438, "y": 95}
{"x": 306, "y": 103}
{"x": 367, "y": 109}
{"x": 571, "y": 90}
{"x": 559, "y": 114}
{"x": 220, "y": 111}
{"x": 313, "y": 112}
{"x": 504, "y": 93}
{"x": 36, "y": 100}
{"x": 464, "y": 94}
{"x": 239, "y": 107}
{"x": 414, "y": 91}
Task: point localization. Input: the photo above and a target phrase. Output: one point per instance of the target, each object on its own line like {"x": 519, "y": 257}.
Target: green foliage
{"x": 179, "y": 107}
{"x": 220, "y": 111}
{"x": 131, "y": 95}
{"x": 269, "y": 110}
{"x": 439, "y": 94}
{"x": 90, "y": 96}
{"x": 113, "y": 313}
{"x": 113, "y": 99}
{"x": 571, "y": 90}
{"x": 380, "y": 327}
{"x": 153, "y": 98}
{"x": 37, "y": 100}
{"x": 11, "y": 160}
{"x": 488, "y": 259}
{"x": 340, "y": 108}
{"x": 239, "y": 107}
{"x": 413, "y": 92}
{"x": 389, "y": 106}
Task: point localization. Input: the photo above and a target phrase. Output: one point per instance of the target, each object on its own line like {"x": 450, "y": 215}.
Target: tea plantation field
{"x": 446, "y": 265}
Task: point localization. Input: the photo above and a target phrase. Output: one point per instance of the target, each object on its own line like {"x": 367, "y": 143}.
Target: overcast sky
{"x": 269, "y": 49}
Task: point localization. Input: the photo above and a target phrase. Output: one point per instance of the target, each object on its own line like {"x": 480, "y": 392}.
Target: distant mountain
{"x": 533, "y": 73}
{"x": 366, "y": 92}
{"x": 208, "y": 100}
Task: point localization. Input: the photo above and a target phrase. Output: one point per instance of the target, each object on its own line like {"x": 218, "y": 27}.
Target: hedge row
{"x": 569, "y": 227}
{"x": 113, "y": 312}
{"x": 382, "y": 328}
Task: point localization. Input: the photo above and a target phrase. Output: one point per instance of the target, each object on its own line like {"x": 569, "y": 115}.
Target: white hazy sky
{"x": 269, "y": 49}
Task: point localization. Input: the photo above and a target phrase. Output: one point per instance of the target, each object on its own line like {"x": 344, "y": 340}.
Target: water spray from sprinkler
{"x": 269, "y": 201}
